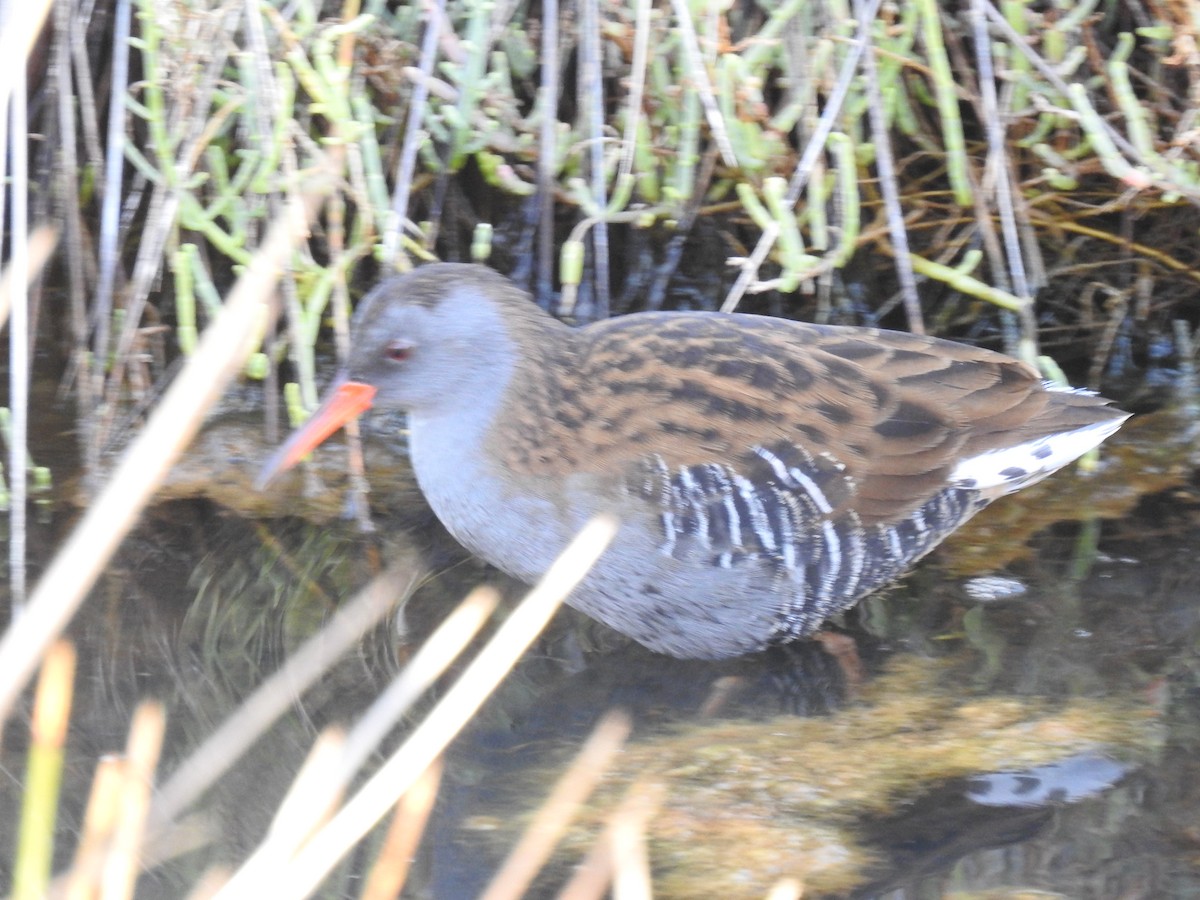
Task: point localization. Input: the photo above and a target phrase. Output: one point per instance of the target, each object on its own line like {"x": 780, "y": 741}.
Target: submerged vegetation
{"x": 1025, "y": 175}
{"x": 744, "y": 804}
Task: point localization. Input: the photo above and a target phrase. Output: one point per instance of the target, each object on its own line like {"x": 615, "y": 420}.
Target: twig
{"x": 547, "y": 105}
{"x": 413, "y": 135}
{"x": 887, "y": 177}
{"x": 18, "y": 339}
{"x": 816, "y": 145}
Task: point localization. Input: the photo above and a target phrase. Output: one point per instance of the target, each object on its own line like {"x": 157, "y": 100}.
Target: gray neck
{"x": 459, "y": 437}
{"x": 471, "y": 494}
{"x": 446, "y": 443}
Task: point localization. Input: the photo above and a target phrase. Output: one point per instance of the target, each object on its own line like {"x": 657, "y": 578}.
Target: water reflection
{"x": 777, "y": 760}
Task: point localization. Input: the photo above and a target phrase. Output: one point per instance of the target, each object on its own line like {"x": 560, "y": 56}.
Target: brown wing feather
{"x": 892, "y": 409}
{"x": 897, "y": 411}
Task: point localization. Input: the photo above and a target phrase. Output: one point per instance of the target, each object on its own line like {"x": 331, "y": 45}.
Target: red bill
{"x": 345, "y": 401}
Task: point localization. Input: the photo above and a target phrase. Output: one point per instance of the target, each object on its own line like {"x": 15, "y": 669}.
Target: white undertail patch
{"x": 1000, "y": 472}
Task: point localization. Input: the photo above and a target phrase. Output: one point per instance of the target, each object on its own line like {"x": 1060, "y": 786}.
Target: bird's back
{"x": 769, "y": 473}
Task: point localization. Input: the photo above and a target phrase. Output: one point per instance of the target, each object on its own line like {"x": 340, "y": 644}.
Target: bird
{"x": 766, "y": 473}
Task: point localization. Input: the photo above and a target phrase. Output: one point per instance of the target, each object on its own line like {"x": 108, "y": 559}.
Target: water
{"x": 1045, "y": 739}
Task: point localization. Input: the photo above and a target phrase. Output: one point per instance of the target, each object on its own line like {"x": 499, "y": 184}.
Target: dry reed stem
{"x": 631, "y": 855}
{"x": 885, "y": 166}
{"x": 428, "y": 664}
{"x": 42, "y": 243}
{"x": 55, "y": 690}
{"x": 618, "y": 856}
{"x": 43, "y": 773}
{"x": 277, "y": 694}
{"x": 309, "y": 801}
{"x": 16, "y": 175}
{"x": 123, "y": 862}
{"x": 413, "y": 136}
{"x": 390, "y": 871}
{"x": 786, "y": 889}
{"x": 99, "y": 820}
{"x": 20, "y": 31}
{"x": 445, "y": 720}
{"x": 221, "y": 352}
{"x": 559, "y": 809}
{"x": 547, "y": 97}
{"x": 209, "y": 884}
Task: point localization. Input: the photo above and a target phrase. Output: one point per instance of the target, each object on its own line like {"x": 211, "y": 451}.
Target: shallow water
{"x": 1047, "y": 740}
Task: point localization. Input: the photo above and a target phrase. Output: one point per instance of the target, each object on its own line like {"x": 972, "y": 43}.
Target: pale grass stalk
{"x": 42, "y": 243}
{"x": 313, "y": 795}
{"x": 590, "y": 94}
{"x": 722, "y": 690}
{"x": 786, "y": 889}
{"x": 612, "y": 859}
{"x": 179, "y": 838}
{"x": 592, "y": 876}
{"x": 447, "y": 718}
{"x": 427, "y": 665}
{"x": 23, "y": 25}
{"x": 220, "y": 354}
{"x": 99, "y": 820}
{"x": 308, "y": 803}
{"x": 69, "y": 105}
{"x": 1005, "y": 201}
{"x": 18, "y": 344}
{"x": 277, "y": 694}
{"x": 631, "y": 856}
{"x": 108, "y": 246}
{"x": 123, "y": 863}
{"x": 209, "y": 884}
{"x": 390, "y": 871}
{"x": 15, "y": 75}
{"x": 332, "y": 762}
{"x": 43, "y": 774}
{"x": 558, "y": 811}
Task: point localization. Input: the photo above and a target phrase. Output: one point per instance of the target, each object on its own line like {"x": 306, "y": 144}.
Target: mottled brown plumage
{"x": 767, "y": 473}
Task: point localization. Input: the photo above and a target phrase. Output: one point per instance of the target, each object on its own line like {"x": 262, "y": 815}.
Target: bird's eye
{"x": 398, "y": 351}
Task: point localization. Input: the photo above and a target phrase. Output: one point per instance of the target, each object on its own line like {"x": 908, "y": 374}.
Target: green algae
{"x": 750, "y": 802}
